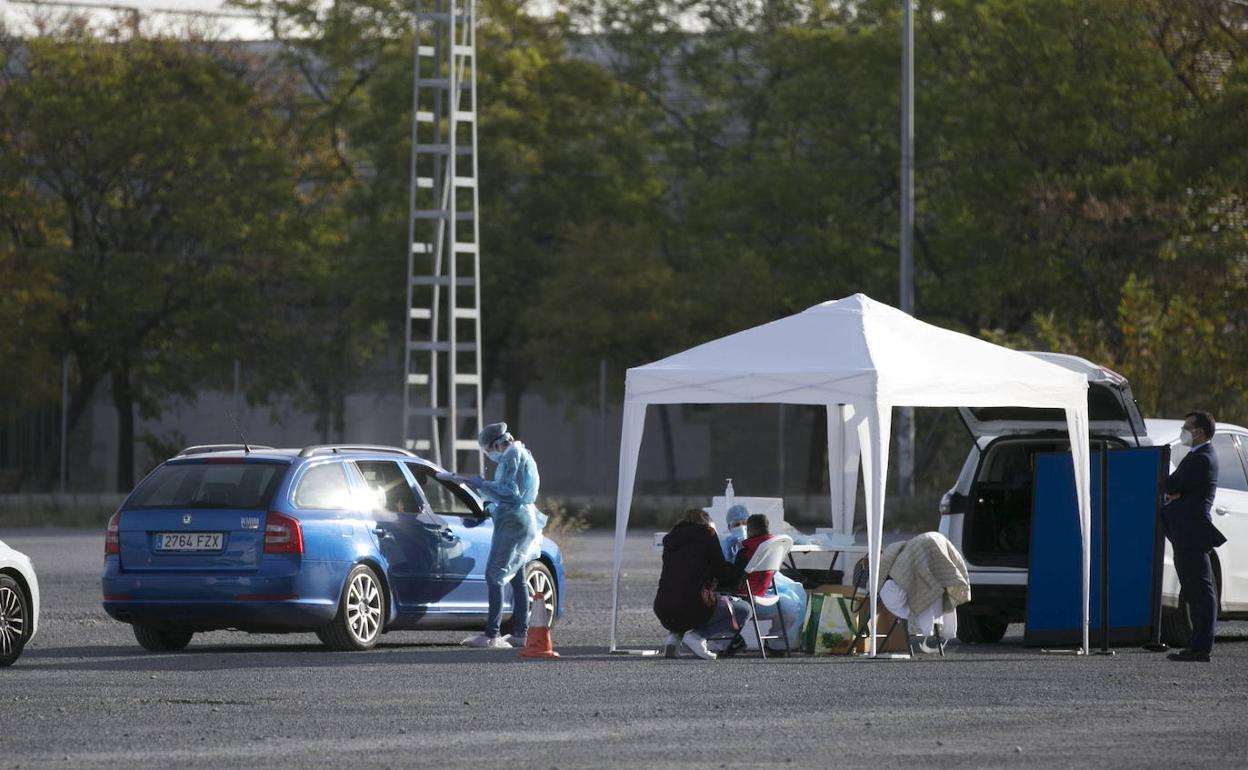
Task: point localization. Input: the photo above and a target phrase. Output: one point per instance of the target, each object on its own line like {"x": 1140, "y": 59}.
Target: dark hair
{"x": 696, "y": 516}
{"x": 758, "y": 523}
{"x": 1202, "y": 420}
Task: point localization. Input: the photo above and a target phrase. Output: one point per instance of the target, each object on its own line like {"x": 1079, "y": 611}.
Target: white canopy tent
{"x": 859, "y": 358}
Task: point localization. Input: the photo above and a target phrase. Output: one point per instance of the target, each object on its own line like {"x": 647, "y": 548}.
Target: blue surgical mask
{"x": 494, "y": 456}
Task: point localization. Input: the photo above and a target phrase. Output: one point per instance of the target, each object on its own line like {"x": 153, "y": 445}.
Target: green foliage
{"x": 654, "y": 173}
{"x": 148, "y": 177}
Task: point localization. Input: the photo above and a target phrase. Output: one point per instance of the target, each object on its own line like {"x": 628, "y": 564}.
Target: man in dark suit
{"x": 1185, "y": 517}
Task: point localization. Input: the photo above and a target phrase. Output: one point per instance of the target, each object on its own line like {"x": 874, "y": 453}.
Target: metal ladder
{"x": 442, "y": 347}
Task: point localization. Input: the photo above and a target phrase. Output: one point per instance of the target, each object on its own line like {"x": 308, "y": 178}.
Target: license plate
{"x": 189, "y": 541}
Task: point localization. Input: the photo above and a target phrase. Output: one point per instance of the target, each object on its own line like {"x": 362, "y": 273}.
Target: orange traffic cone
{"x": 538, "y": 645}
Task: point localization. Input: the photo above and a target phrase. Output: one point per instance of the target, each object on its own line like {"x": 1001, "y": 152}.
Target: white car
{"x": 1230, "y": 515}
{"x": 19, "y": 603}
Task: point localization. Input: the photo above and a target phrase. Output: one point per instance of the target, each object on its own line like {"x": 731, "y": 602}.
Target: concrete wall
{"x": 577, "y": 447}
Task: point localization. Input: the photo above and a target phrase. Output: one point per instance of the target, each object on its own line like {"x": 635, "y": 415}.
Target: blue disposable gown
{"x": 792, "y": 596}
{"x": 793, "y": 604}
{"x": 730, "y": 543}
{"x": 517, "y": 523}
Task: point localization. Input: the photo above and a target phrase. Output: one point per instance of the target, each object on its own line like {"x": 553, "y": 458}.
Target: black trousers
{"x": 1196, "y": 580}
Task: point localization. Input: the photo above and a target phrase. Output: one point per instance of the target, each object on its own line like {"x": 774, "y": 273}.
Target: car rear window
{"x": 249, "y": 486}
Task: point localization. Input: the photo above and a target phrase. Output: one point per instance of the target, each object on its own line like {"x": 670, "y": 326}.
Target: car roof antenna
{"x": 246, "y": 449}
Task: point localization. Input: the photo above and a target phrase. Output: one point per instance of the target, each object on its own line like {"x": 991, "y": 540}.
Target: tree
{"x": 563, "y": 150}
{"x": 156, "y": 188}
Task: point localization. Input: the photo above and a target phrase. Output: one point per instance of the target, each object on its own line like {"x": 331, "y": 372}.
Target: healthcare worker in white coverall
{"x": 517, "y": 533}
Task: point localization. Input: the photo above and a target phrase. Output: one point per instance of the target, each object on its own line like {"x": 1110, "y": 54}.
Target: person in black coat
{"x": 1186, "y": 521}
{"x": 693, "y": 565}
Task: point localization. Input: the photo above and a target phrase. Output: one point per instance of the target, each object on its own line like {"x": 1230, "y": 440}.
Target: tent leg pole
{"x": 1104, "y": 503}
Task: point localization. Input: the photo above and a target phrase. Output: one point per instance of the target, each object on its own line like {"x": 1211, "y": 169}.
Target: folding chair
{"x": 768, "y": 558}
{"x": 858, "y": 607}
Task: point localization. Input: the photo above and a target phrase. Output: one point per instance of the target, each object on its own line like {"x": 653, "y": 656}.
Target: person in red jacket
{"x": 757, "y": 532}
{"x": 792, "y": 604}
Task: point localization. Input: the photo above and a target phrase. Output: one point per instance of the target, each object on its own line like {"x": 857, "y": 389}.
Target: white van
{"x": 987, "y": 513}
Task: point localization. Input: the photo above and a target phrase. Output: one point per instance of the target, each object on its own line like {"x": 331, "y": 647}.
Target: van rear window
{"x": 248, "y": 486}
{"x": 1103, "y": 406}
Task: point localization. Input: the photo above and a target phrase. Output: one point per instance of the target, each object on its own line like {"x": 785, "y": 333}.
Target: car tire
{"x": 15, "y": 620}
{"x": 538, "y": 577}
{"x": 361, "y": 613}
{"x": 979, "y": 629}
{"x": 161, "y": 640}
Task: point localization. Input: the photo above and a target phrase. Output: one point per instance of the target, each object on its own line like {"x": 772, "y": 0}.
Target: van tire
{"x": 979, "y": 629}
{"x": 1176, "y": 622}
{"x": 1176, "y": 626}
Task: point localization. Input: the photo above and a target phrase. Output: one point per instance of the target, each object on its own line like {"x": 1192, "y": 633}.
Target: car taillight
{"x": 282, "y": 534}
{"x": 112, "y": 535}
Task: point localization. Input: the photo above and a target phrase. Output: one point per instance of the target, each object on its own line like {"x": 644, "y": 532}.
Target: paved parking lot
{"x": 85, "y": 695}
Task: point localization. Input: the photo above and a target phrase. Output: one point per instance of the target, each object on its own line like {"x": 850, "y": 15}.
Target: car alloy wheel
{"x": 13, "y": 621}
{"x": 364, "y": 607}
{"x": 539, "y": 581}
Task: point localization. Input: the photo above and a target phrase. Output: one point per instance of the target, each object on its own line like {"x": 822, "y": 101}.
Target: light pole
{"x": 65, "y": 423}
{"x": 905, "y": 416}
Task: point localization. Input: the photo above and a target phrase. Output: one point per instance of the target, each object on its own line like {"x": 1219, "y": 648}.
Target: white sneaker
{"x": 697, "y": 645}
{"x": 671, "y": 646}
{"x": 516, "y": 641}
{"x": 486, "y": 642}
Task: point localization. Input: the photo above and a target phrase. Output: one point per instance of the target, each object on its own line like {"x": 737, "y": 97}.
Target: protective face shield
{"x": 1185, "y": 437}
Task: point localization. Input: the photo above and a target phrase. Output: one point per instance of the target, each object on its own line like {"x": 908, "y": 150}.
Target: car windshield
{"x": 247, "y": 486}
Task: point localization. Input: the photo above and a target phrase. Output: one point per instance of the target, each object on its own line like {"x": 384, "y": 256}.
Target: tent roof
{"x": 855, "y": 350}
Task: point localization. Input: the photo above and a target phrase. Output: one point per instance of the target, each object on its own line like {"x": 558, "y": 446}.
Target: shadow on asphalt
{"x": 207, "y": 658}
{"x": 314, "y": 655}
{"x": 244, "y": 657}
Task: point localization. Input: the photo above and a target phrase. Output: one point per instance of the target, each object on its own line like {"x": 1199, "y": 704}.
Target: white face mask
{"x": 739, "y": 531}
{"x": 1185, "y": 437}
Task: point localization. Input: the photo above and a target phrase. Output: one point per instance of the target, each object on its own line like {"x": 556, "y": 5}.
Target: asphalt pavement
{"x": 84, "y": 694}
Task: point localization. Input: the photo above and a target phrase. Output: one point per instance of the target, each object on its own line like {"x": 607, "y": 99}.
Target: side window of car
{"x": 387, "y": 476}
{"x": 323, "y": 486}
{"x": 443, "y": 497}
{"x": 1230, "y": 467}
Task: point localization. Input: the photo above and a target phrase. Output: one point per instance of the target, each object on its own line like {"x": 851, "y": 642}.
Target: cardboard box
{"x": 896, "y": 641}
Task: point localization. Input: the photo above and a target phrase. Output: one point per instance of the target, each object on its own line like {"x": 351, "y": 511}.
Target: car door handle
{"x": 1220, "y": 510}
{"x": 449, "y": 535}
{"x": 382, "y": 533}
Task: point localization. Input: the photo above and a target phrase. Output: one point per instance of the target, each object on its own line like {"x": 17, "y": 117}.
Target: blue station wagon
{"x": 345, "y": 541}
